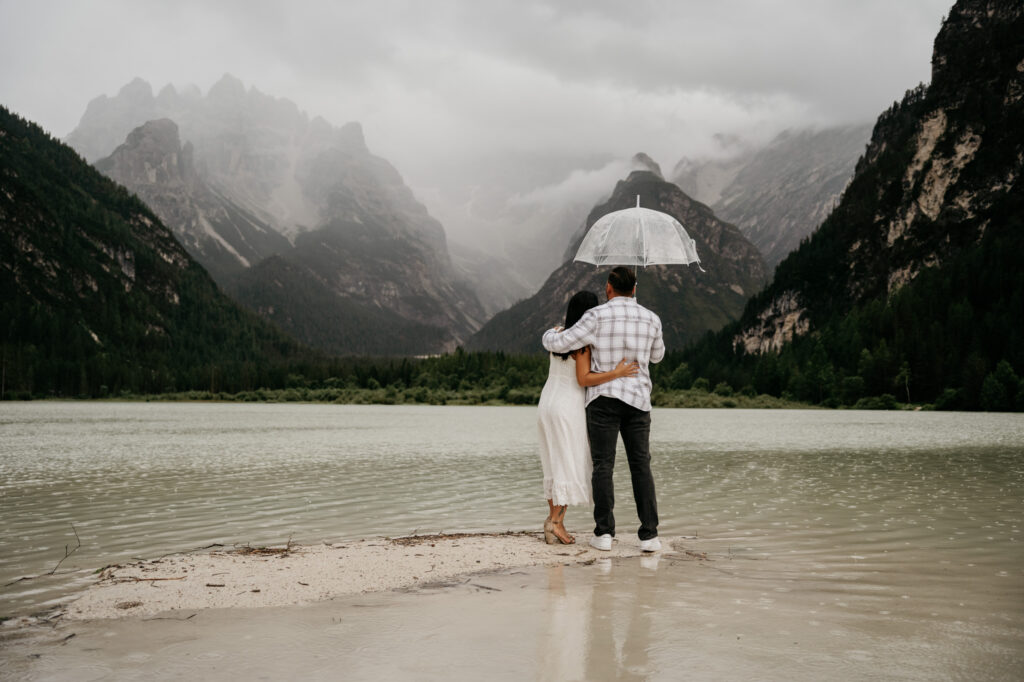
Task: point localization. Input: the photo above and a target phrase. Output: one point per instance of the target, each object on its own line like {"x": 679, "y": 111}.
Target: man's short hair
{"x": 623, "y": 280}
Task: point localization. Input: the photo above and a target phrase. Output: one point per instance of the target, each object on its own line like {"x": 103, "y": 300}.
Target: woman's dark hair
{"x": 580, "y": 303}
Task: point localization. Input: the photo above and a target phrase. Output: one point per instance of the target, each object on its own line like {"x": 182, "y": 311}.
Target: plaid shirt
{"x": 621, "y": 328}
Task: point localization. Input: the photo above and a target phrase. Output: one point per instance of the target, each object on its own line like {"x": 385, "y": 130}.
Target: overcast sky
{"x": 441, "y": 84}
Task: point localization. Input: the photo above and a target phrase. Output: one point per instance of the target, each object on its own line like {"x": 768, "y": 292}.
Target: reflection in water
{"x": 624, "y": 608}
{"x": 561, "y": 649}
{"x": 600, "y": 627}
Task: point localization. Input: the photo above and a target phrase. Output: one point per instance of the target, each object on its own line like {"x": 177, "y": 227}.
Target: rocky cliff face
{"x": 690, "y": 302}
{"x": 939, "y": 174}
{"x": 256, "y": 177}
{"x": 107, "y": 120}
{"x": 222, "y": 236}
{"x": 375, "y": 245}
{"x": 777, "y": 195}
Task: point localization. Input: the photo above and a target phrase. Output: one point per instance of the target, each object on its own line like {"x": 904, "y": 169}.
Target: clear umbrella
{"x": 637, "y": 236}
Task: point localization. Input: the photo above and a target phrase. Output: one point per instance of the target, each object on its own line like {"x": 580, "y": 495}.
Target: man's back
{"x": 620, "y": 328}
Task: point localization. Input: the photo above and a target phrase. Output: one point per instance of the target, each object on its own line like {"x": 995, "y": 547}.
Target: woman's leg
{"x": 549, "y": 525}
{"x": 559, "y": 526}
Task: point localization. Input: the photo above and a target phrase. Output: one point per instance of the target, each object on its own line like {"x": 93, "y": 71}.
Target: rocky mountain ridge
{"x": 224, "y": 237}
{"x": 937, "y": 165}
{"x": 256, "y": 178}
{"x": 778, "y": 194}
{"x": 911, "y": 289}
{"x": 690, "y": 302}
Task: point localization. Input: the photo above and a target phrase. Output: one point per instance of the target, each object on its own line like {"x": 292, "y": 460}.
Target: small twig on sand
{"x": 422, "y": 539}
{"x": 282, "y": 551}
{"x": 136, "y": 579}
{"x": 197, "y": 549}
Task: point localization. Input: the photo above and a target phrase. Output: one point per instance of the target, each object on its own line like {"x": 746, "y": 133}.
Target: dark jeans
{"x": 606, "y": 419}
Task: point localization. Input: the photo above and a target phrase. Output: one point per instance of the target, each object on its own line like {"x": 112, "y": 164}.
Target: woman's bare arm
{"x": 585, "y": 377}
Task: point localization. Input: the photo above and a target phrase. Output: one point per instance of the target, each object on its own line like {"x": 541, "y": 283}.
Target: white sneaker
{"x": 652, "y": 545}
{"x": 601, "y": 542}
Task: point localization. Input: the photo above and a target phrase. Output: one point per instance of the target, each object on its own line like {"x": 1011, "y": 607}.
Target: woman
{"x": 562, "y": 425}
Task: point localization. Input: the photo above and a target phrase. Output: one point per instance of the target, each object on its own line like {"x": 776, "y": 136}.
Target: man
{"x": 620, "y": 328}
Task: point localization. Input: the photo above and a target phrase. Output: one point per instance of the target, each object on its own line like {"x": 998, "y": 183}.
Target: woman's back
{"x": 561, "y": 390}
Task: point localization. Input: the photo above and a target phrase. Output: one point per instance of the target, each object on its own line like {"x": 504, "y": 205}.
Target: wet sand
{"x": 701, "y": 609}
{"x": 293, "y": 575}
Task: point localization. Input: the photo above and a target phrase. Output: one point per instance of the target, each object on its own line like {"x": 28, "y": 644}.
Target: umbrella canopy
{"x": 637, "y": 236}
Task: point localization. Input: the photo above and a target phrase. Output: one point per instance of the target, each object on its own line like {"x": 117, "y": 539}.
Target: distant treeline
{"x": 480, "y": 378}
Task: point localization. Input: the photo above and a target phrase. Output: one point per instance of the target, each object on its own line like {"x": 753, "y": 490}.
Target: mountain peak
{"x": 138, "y": 90}
{"x": 643, "y": 162}
{"x": 163, "y": 131}
{"x": 226, "y": 89}
{"x": 350, "y": 137}
{"x": 151, "y": 154}
{"x": 168, "y": 96}
{"x": 689, "y": 301}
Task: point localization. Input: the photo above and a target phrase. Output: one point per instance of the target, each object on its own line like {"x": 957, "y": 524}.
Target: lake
{"x": 866, "y": 524}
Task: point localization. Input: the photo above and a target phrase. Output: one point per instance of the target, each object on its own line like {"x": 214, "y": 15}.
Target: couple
{"x": 579, "y": 428}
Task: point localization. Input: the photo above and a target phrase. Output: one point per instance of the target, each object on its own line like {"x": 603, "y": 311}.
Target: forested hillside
{"x": 912, "y": 288}
{"x": 98, "y": 297}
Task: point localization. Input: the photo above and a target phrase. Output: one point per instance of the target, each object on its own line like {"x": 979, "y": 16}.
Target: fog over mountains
{"x": 780, "y": 193}
{"x": 302, "y": 223}
{"x": 897, "y": 252}
{"x": 776, "y": 193}
{"x": 225, "y": 237}
{"x": 241, "y": 177}
{"x": 689, "y": 301}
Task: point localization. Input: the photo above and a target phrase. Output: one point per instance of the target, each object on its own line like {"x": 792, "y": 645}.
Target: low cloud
{"x": 517, "y": 93}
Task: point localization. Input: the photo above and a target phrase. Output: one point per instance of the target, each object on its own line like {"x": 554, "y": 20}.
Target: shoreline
{"x": 664, "y": 400}
{"x": 246, "y": 577}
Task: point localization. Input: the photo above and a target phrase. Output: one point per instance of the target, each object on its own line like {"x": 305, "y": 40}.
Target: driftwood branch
{"x": 67, "y": 553}
{"x": 424, "y": 539}
{"x": 136, "y": 579}
{"x": 249, "y": 550}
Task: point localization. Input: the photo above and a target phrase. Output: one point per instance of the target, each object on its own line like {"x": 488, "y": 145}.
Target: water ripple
{"x": 852, "y": 491}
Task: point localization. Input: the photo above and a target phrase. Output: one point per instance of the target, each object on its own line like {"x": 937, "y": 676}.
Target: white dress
{"x": 562, "y": 427}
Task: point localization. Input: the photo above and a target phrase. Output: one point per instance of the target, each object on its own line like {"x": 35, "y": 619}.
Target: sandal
{"x": 563, "y": 537}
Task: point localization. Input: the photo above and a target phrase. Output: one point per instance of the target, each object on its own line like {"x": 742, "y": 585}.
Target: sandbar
{"x": 291, "y": 575}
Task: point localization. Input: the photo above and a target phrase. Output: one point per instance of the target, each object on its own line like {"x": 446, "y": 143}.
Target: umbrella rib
{"x": 643, "y": 237}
